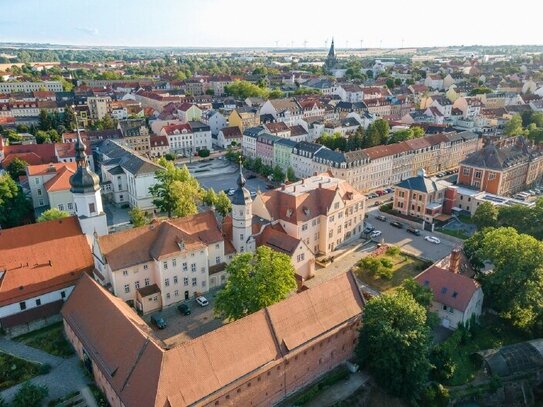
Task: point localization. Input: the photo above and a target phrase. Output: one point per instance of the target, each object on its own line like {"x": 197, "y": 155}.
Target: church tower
{"x": 242, "y": 216}
{"x": 85, "y": 188}
{"x": 331, "y": 60}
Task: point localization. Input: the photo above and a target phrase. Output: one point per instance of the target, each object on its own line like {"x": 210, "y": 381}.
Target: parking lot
{"x": 181, "y": 328}
{"x": 226, "y": 176}
{"x": 413, "y": 244}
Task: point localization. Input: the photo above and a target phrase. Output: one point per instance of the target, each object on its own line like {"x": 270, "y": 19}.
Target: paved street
{"x": 66, "y": 375}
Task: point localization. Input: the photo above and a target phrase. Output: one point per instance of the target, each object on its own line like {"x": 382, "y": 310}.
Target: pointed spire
{"x": 80, "y": 155}
{"x": 241, "y": 178}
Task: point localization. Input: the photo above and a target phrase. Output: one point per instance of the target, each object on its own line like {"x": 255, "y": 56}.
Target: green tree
{"x": 255, "y": 281}
{"x": 15, "y": 208}
{"x": 515, "y": 287}
{"x": 486, "y": 215}
{"x": 514, "y": 126}
{"x": 52, "y": 214}
{"x": 394, "y": 343}
{"x": 382, "y": 129}
{"x": 44, "y": 121}
{"x": 30, "y": 395}
{"x": 13, "y": 136}
{"x": 69, "y": 120}
{"x": 400, "y": 135}
{"x": 223, "y": 204}
{"x": 244, "y": 89}
{"x": 390, "y": 83}
{"x": 290, "y": 174}
{"x": 16, "y": 168}
{"x": 176, "y": 191}
{"x": 278, "y": 174}
{"x": 138, "y": 217}
{"x": 423, "y": 295}
{"x": 209, "y": 197}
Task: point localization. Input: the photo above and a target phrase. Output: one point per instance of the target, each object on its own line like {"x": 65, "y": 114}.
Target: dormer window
{"x": 181, "y": 245}
{"x": 289, "y": 213}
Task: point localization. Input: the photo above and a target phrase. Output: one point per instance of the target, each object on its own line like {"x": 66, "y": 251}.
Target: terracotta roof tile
{"x": 42, "y": 257}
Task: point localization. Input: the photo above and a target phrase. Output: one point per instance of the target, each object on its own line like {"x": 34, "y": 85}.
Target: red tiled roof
{"x": 61, "y": 181}
{"x": 231, "y": 132}
{"x": 451, "y": 289}
{"x": 42, "y": 257}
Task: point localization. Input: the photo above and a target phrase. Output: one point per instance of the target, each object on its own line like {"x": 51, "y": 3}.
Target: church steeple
{"x": 331, "y": 59}
{"x": 242, "y": 216}
{"x": 84, "y": 180}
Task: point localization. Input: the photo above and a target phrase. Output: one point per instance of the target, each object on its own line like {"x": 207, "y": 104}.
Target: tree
{"x": 423, "y": 295}
{"x": 52, "y": 214}
{"x": 514, "y": 126}
{"x": 14, "y": 206}
{"x": 30, "y": 395}
{"x": 515, "y": 287}
{"x": 394, "y": 343}
{"x": 255, "y": 281}
{"x": 382, "y": 129}
{"x": 44, "y": 122}
{"x": 290, "y": 174}
{"x": 209, "y": 197}
{"x": 69, "y": 119}
{"x": 486, "y": 215}
{"x": 390, "y": 83}
{"x": 107, "y": 123}
{"x": 176, "y": 191}
{"x": 223, "y": 204}
{"x": 138, "y": 217}
{"x": 244, "y": 89}
{"x": 379, "y": 267}
{"x": 17, "y": 168}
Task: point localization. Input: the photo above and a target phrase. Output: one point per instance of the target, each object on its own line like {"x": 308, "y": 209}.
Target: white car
{"x": 202, "y": 301}
{"x": 375, "y": 233}
{"x": 231, "y": 191}
{"x": 432, "y": 239}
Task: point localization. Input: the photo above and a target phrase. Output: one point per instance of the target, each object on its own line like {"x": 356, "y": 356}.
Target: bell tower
{"x": 242, "y": 216}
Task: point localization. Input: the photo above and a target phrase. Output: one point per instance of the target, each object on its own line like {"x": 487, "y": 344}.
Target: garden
{"x": 14, "y": 370}
{"x": 49, "y": 339}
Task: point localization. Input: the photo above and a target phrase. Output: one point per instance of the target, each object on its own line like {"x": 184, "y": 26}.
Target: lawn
{"x": 14, "y": 370}
{"x": 49, "y": 339}
{"x": 492, "y": 332}
{"x": 455, "y": 233}
{"x": 404, "y": 266}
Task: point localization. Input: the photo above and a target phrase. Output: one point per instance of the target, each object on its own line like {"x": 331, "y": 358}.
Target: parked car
{"x": 253, "y": 194}
{"x": 368, "y": 229}
{"x": 381, "y": 218}
{"x": 231, "y": 191}
{"x": 159, "y": 321}
{"x": 414, "y": 231}
{"x": 372, "y": 195}
{"x": 202, "y": 301}
{"x": 380, "y": 192}
{"x": 375, "y": 233}
{"x": 184, "y": 309}
{"x": 396, "y": 224}
{"x": 389, "y": 190}
{"x": 432, "y": 239}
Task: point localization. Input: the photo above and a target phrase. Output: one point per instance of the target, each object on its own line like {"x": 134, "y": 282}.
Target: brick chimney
{"x": 454, "y": 265}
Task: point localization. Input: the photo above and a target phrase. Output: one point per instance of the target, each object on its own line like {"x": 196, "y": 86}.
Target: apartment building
{"x": 27, "y": 87}
{"x": 503, "y": 168}
{"x": 244, "y": 117}
{"x": 99, "y": 107}
{"x": 322, "y": 211}
{"x": 50, "y": 185}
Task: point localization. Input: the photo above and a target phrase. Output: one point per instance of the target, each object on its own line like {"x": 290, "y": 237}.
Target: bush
{"x": 169, "y": 156}
{"x": 393, "y": 251}
{"x": 435, "y": 395}
{"x": 45, "y": 368}
{"x": 204, "y": 152}
{"x": 387, "y": 263}
{"x": 30, "y": 395}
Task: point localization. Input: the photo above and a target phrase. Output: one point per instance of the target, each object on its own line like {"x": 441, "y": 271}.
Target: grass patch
{"x": 455, "y": 233}
{"x": 492, "y": 332}
{"x": 308, "y": 394}
{"x": 49, "y": 339}
{"x": 465, "y": 219}
{"x": 403, "y": 266}
{"x": 14, "y": 370}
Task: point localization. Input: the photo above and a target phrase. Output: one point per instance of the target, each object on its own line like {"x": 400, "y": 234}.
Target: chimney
{"x": 454, "y": 265}
{"x": 283, "y": 187}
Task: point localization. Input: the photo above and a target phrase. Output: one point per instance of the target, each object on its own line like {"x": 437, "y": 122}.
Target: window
{"x": 137, "y": 284}
{"x": 38, "y": 302}
{"x": 22, "y": 305}
{"x": 185, "y": 267}
{"x": 304, "y": 227}
{"x": 176, "y": 293}
{"x": 330, "y": 233}
{"x": 39, "y": 191}
{"x": 477, "y": 174}
{"x": 175, "y": 279}
{"x": 63, "y": 294}
{"x": 203, "y": 283}
{"x": 37, "y": 181}
{"x": 92, "y": 207}
{"x": 167, "y": 282}
{"x": 193, "y": 267}
{"x": 147, "y": 282}
{"x": 465, "y": 171}
{"x": 145, "y": 266}
{"x": 70, "y": 206}
{"x": 125, "y": 272}
{"x": 185, "y": 281}
{"x": 336, "y": 205}
{"x": 126, "y": 288}
{"x": 168, "y": 296}
{"x": 300, "y": 257}
{"x": 165, "y": 265}
{"x": 241, "y": 236}
{"x": 194, "y": 282}
{"x": 491, "y": 175}
{"x": 61, "y": 207}
{"x": 174, "y": 262}
{"x": 217, "y": 259}
{"x": 331, "y": 218}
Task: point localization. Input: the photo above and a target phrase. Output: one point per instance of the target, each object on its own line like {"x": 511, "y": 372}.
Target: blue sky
{"x": 257, "y": 23}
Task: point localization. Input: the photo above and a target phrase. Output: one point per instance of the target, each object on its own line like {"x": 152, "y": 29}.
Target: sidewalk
{"x": 340, "y": 391}
{"x": 66, "y": 374}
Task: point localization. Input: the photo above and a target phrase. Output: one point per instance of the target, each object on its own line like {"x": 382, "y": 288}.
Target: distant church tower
{"x": 331, "y": 60}
{"x": 85, "y": 188}
{"x": 242, "y": 217}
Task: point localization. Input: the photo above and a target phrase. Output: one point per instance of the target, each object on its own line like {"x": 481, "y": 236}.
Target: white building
{"x": 27, "y": 87}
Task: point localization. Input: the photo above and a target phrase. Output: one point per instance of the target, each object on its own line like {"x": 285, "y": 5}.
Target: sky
{"x": 285, "y": 23}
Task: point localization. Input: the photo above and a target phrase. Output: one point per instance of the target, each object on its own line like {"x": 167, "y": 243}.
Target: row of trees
{"x": 15, "y": 208}
{"x": 256, "y": 165}
{"x": 515, "y": 286}
{"x": 529, "y": 124}
{"x": 245, "y": 89}
{"x": 522, "y": 218}
{"x": 178, "y": 193}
